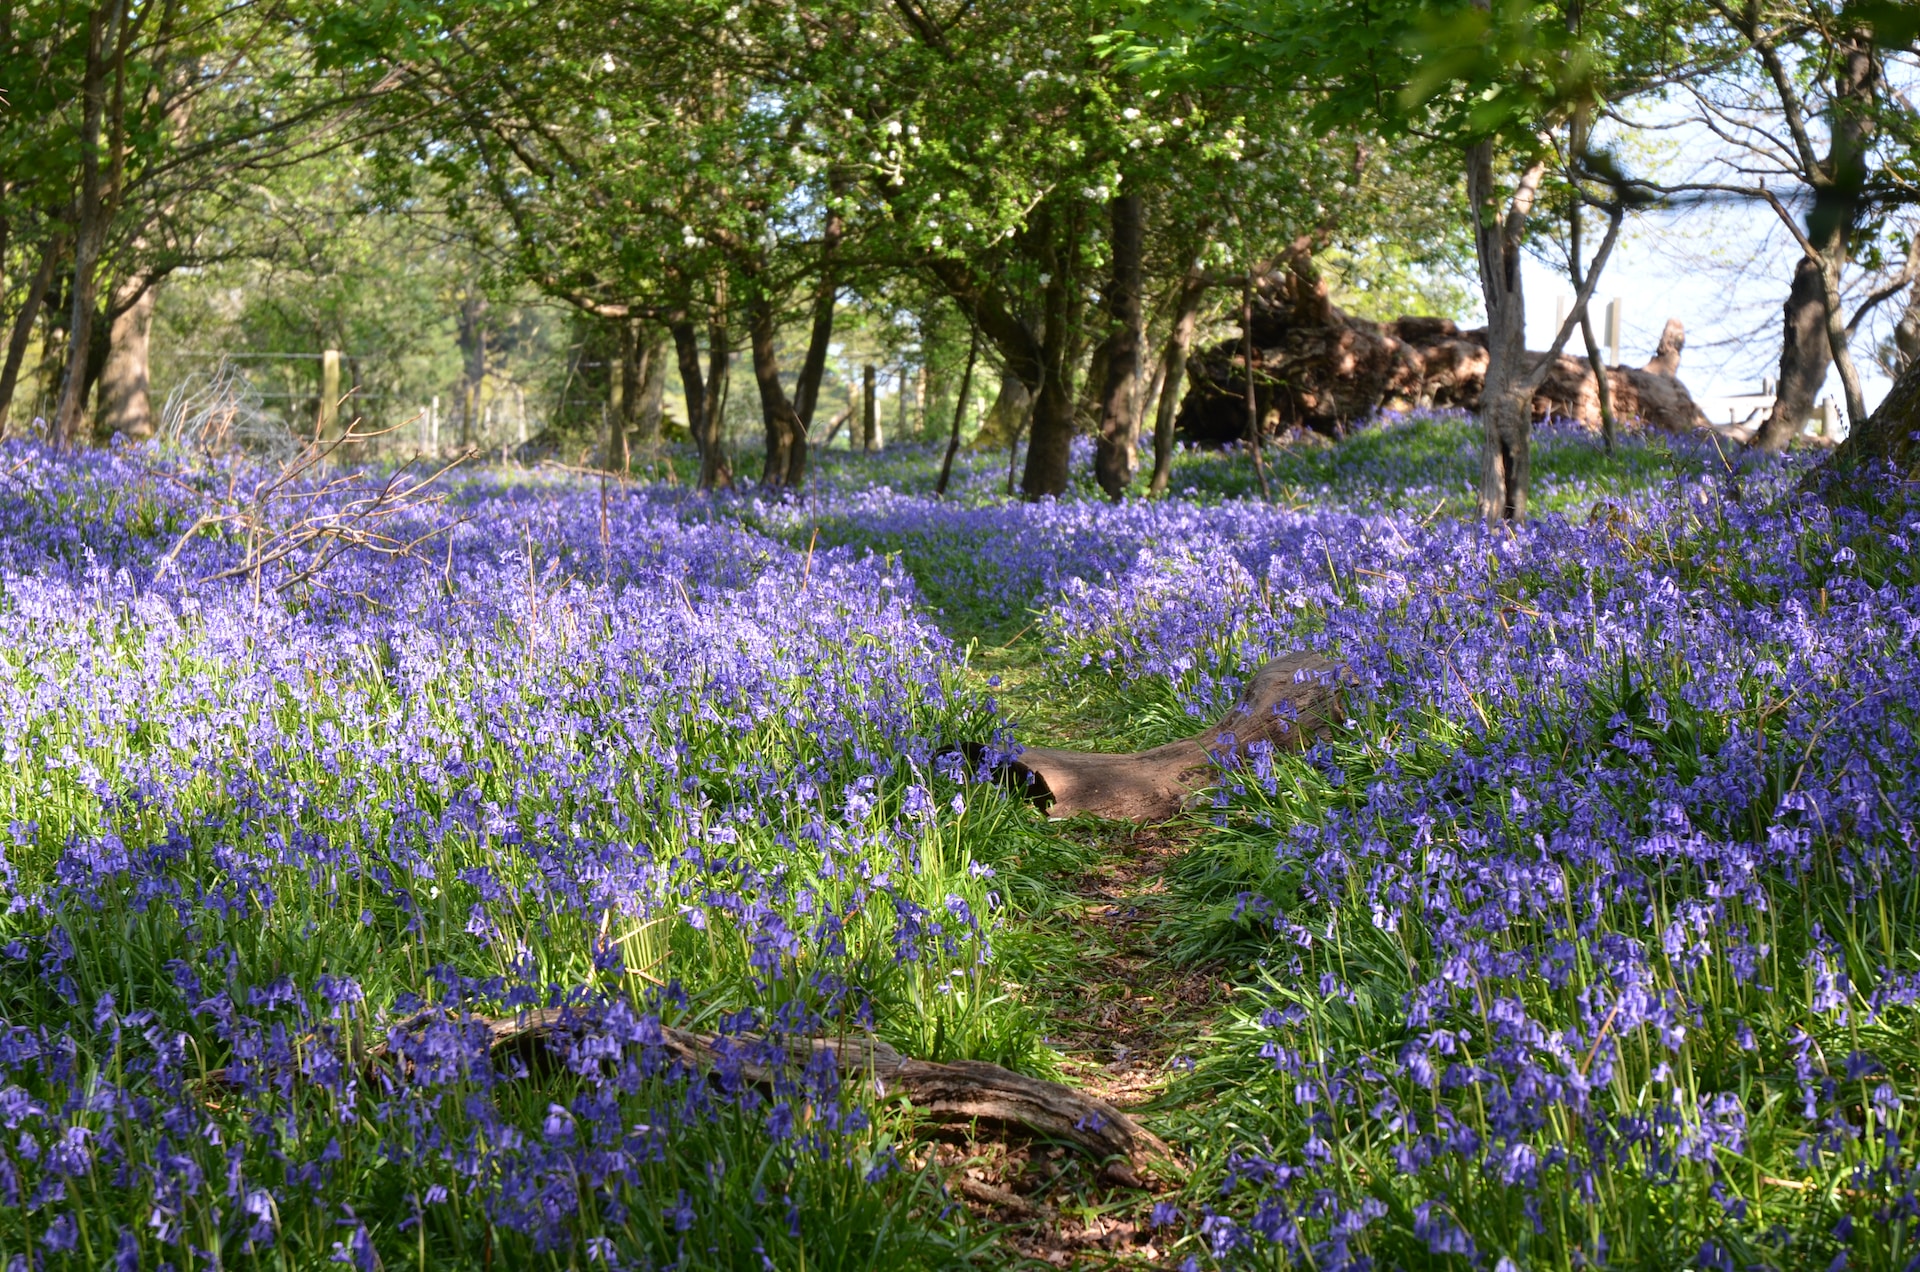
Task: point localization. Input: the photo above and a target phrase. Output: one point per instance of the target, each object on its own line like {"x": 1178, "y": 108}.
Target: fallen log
{"x": 960, "y": 1093}
{"x": 1288, "y": 702}
{"x": 969, "y": 1093}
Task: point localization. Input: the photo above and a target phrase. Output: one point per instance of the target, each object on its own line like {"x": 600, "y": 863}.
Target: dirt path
{"x": 1126, "y": 1015}
{"x": 1119, "y": 1011}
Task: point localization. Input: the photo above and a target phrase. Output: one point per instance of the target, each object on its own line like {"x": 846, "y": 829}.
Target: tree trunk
{"x": 1815, "y": 334}
{"x": 1836, "y": 206}
{"x": 1005, "y": 414}
{"x": 650, "y": 394}
{"x": 1186, "y": 317}
{"x": 1038, "y": 361}
{"x": 626, "y": 395}
{"x": 834, "y": 426}
{"x": 23, "y": 322}
{"x": 1146, "y": 385}
{"x": 1252, "y": 436}
{"x": 473, "y": 349}
{"x": 1116, "y": 451}
{"x": 1906, "y": 337}
{"x": 1287, "y": 704}
{"x": 806, "y": 391}
{"x": 786, "y": 435}
{"x": 959, "y": 414}
{"x": 1049, "y": 440}
{"x": 983, "y": 1098}
{"x": 1603, "y": 384}
{"x": 1885, "y": 437}
{"x": 1805, "y": 356}
{"x": 703, "y": 399}
{"x": 1506, "y": 400}
{"x": 1091, "y": 393}
{"x": 716, "y": 466}
{"x": 126, "y": 408}
{"x": 693, "y": 385}
{"x": 903, "y": 397}
{"x": 1050, "y": 436}
{"x": 869, "y": 408}
{"x": 90, "y": 235}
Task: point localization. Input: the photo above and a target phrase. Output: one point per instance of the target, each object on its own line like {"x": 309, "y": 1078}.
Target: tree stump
{"x": 1289, "y": 702}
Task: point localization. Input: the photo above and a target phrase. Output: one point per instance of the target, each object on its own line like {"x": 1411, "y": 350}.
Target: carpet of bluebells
{"x": 630, "y": 761}
{"x": 1587, "y": 940}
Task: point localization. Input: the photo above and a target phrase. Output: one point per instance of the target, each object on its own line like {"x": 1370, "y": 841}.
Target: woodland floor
{"x": 1121, "y": 1012}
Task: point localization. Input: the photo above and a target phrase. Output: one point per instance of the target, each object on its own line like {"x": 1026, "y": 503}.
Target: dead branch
{"x": 301, "y": 527}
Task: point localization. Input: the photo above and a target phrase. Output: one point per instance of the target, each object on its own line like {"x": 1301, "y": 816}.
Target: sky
{"x": 1723, "y": 269}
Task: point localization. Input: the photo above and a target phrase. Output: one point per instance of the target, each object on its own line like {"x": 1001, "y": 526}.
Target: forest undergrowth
{"x": 1586, "y": 939}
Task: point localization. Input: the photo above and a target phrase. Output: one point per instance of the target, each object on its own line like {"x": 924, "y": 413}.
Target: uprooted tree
{"x": 1318, "y": 367}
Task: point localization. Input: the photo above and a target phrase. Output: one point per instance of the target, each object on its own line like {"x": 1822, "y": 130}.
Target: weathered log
{"x": 1288, "y": 702}
{"x": 962, "y": 1093}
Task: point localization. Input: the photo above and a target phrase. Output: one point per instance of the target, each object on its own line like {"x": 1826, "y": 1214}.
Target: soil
{"x": 1121, "y": 1014}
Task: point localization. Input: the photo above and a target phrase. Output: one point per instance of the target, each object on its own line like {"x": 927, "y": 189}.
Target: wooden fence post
{"x": 329, "y": 394}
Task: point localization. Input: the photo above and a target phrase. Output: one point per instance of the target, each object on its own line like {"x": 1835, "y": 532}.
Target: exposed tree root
{"x": 1288, "y": 702}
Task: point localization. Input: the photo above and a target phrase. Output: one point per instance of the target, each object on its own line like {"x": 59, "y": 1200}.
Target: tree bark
{"x": 22, "y": 333}
{"x": 1118, "y": 446}
{"x": 693, "y": 385}
{"x": 472, "y": 325}
{"x": 126, "y": 406}
{"x": 1814, "y": 334}
{"x": 786, "y": 435}
{"x": 1506, "y": 400}
{"x": 90, "y": 234}
{"x": 806, "y": 391}
{"x": 626, "y": 390}
{"x": 703, "y": 397}
{"x": 1050, "y": 435}
{"x": 966, "y": 1093}
{"x": 902, "y": 400}
{"x": 1006, "y": 413}
{"x": 1091, "y": 394}
{"x": 716, "y": 466}
{"x": 1805, "y": 356}
{"x": 1252, "y": 435}
{"x": 1885, "y": 437}
{"x": 1039, "y": 359}
{"x": 1906, "y": 336}
{"x": 1186, "y": 317}
{"x": 869, "y": 408}
{"x": 984, "y": 303}
{"x": 959, "y": 414}
{"x": 650, "y": 393}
